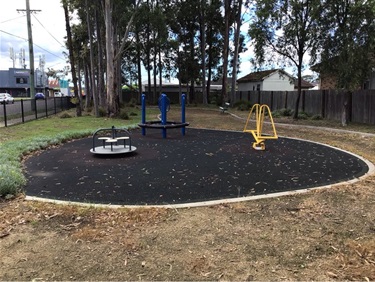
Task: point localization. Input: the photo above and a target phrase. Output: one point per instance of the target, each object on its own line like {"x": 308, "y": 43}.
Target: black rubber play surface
{"x": 203, "y": 165}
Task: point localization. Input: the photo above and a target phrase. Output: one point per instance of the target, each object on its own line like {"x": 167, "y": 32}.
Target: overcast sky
{"x": 48, "y": 29}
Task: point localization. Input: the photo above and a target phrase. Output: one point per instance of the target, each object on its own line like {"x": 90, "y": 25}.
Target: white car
{"x": 59, "y": 94}
{"x": 5, "y": 98}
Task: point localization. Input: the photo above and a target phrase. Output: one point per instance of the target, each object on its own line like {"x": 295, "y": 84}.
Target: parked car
{"x": 39, "y": 96}
{"x": 59, "y": 94}
{"x": 6, "y": 98}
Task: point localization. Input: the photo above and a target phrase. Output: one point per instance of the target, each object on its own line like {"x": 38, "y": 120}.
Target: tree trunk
{"x": 139, "y": 69}
{"x": 203, "y": 51}
{"x": 112, "y": 107}
{"x": 72, "y": 60}
{"x": 160, "y": 72}
{"x": 92, "y": 63}
{"x": 236, "y": 50}
{"x": 345, "y": 116}
{"x": 87, "y": 86}
{"x": 154, "y": 67}
{"x": 296, "y": 106}
{"x": 224, "y": 94}
{"x": 102, "y": 102}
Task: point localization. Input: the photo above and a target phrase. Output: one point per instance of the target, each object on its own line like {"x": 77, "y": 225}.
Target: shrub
{"x": 123, "y": 114}
{"x": 132, "y": 103}
{"x": 11, "y": 179}
{"x": 65, "y": 114}
{"x": 11, "y": 175}
{"x": 316, "y": 117}
{"x": 303, "y": 115}
{"x": 282, "y": 113}
{"x": 102, "y": 112}
{"x": 242, "y": 105}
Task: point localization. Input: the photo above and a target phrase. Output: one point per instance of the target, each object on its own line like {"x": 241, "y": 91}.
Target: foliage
{"x": 132, "y": 103}
{"x": 65, "y": 114}
{"x": 123, "y": 114}
{"x": 242, "y": 105}
{"x": 347, "y": 51}
{"x": 316, "y": 117}
{"x": 282, "y": 113}
{"x": 11, "y": 176}
{"x": 102, "y": 112}
{"x": 288, "y": 29}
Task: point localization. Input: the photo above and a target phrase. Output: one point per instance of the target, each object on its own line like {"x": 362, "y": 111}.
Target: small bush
{"x": 65, "y": 114}
{"x": 213, "y": 101}
{"x": 11, "y": 179}
{"x": 123, "y": 114}
{"x": 74, "y": 100}
{"x": 133, "y": 114}
{"x": 132, "y": 103}
{"x": 242, "y": 105}
{"x": 316, "y": 117}
{"x": 282, "y": 113}
{"x": 303, "y": 115}
{"x": 102, "y": 112}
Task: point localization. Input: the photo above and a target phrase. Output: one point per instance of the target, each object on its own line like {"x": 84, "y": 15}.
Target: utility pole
{"x": 31, "y": 47}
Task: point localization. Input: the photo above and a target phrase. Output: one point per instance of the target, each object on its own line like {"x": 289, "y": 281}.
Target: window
{"x": 258, "y": 87}
{"x": 21, "y": 80}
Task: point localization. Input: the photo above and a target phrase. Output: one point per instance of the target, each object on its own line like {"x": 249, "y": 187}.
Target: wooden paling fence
{"x": 328, "y": 104}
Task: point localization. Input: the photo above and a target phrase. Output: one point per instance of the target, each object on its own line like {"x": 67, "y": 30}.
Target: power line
{"x": 12, "y": 19}
{"x": 62, "y": 45}
{"x": 33, "y": 44}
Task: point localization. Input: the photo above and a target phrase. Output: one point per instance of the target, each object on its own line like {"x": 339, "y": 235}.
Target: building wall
{"x": 250, "y": 86}
{"x": 275, "y": 82}
{"x": 17, "y": 82}
{"x": 327, "y": 82}
{"x": 278, "y": 82}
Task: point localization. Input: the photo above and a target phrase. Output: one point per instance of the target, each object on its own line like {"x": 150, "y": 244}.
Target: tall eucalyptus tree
{"x": 215, "y": 41}
{"x": 348, "y": 49}
{"x": 288, "y": 28}
{"x": 72, "y": 58}
{"x": 238, "y": 42}
{"x": 228, "y": 13}
{"x": 115, "y": 45}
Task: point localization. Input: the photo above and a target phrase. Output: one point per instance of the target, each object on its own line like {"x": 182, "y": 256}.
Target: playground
{"x": 175, "y": 169}
{"x": 202, "y": 166}
{"x": 323, "y": 235}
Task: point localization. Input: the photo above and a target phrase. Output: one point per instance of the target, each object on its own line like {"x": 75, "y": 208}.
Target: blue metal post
{"x": 183, "y": 98}
{"x": 164, "y": 113}
{"x": 143, "y": 113}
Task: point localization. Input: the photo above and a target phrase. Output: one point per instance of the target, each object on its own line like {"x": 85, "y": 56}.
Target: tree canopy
{"x": 170, "y": 39}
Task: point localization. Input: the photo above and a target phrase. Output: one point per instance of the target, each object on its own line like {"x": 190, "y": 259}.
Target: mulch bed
{"x": 203, "y": 165}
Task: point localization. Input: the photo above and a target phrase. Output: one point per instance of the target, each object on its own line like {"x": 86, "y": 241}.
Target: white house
{"x": 270, "y": 80}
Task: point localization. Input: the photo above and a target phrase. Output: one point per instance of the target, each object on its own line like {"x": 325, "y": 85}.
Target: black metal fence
{"x": 25, "y": 110}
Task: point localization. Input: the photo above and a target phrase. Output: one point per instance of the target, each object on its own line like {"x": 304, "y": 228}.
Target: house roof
{"x": 304, "y": 84}
{"x": 220, "y": 81}
{"x": 262, "y": 75}
{"x": 54, "y": 83}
